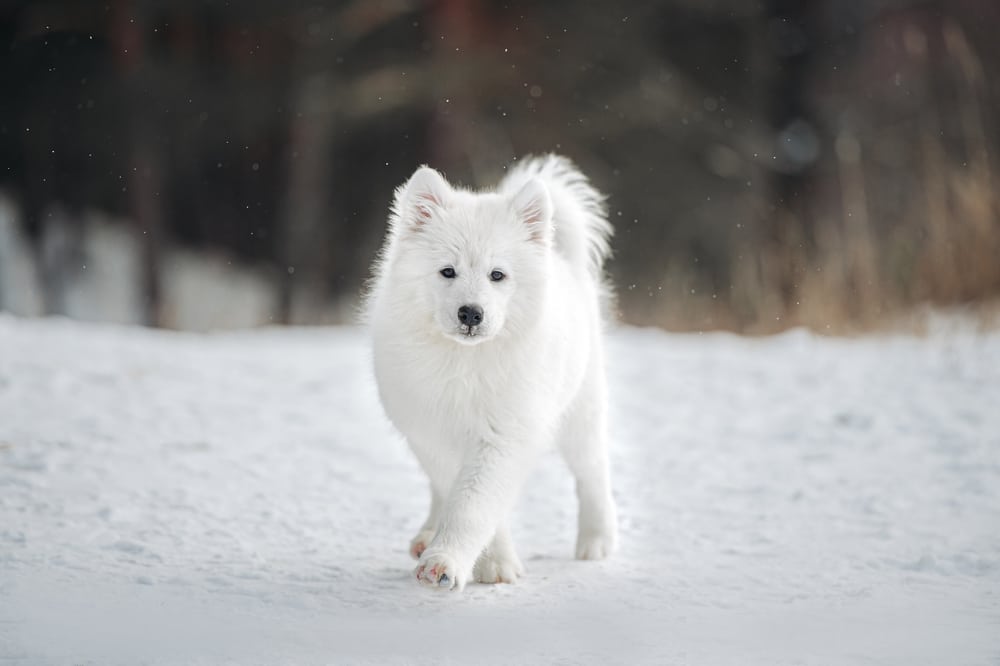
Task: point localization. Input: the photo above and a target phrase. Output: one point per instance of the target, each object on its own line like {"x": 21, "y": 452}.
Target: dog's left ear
{"x": 533, "y": 206}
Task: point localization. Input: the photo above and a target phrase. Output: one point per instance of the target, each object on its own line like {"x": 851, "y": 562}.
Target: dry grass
{"x": 865, "y": 268}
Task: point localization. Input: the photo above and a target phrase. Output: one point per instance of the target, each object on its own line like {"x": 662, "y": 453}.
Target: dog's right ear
{"x": 422, "y": 198}
{"x": 533, "y": 206}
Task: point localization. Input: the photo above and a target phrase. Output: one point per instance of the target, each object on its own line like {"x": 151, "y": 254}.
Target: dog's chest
{"x": 436, "y": 394}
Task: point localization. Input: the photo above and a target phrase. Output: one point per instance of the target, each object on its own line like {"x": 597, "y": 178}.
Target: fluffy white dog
{"x": 486, "y": 310}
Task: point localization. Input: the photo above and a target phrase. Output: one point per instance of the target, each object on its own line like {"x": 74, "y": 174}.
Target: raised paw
{"x": 438, "y": 569}
{"x": 420, "y": 542}
{"x": 496, "y": 568}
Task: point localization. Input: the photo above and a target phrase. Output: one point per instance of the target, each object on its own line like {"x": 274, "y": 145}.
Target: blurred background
{"x": 213, "y": 164}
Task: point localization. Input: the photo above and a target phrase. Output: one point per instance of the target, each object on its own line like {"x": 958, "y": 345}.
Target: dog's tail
{"x": 582, "y": 230}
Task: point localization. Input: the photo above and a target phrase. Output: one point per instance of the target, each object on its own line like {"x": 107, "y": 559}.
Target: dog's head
{"x": 478, "y": 261}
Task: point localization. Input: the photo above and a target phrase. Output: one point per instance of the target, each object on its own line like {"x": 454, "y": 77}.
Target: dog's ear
{"x": 533, "y": 207}
{"x": 422, "y": 198}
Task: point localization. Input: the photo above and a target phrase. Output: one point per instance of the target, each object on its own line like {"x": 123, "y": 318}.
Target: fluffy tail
{"x": 582, "y": 230}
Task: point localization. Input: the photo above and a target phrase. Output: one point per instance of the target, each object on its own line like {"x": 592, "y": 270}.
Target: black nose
{"x": 470, "y": 315}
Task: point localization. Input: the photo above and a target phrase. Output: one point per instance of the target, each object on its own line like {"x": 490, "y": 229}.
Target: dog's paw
{"x": 493, "y": 568}
{"x": 420, "y": 542}
{"x": 438, "y": 569}
{"x": 595, "y": 545}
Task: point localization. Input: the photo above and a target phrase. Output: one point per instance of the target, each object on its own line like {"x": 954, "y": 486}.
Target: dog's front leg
{"x": 482, "y": 495}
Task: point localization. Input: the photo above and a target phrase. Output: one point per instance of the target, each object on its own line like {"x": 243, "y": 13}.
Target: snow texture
{"x": 177, "y": 498}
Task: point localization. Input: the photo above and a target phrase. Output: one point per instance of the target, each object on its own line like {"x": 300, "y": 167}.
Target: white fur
{"x": 477, "y": 404}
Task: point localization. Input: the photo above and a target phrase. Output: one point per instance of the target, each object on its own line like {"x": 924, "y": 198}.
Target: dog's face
{"x": 479, "y": 261}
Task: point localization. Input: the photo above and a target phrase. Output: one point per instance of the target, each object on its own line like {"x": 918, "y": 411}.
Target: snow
{"x": 179, "y": 498}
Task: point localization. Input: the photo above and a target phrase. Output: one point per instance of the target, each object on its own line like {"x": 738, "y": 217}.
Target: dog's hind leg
{"x": 583, "y": 443}
{"x": 498, "y": 563}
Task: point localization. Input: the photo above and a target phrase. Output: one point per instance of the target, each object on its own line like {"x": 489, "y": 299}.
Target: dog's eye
{"x": 448, "y": 272}
{"x": 496, "y": 276}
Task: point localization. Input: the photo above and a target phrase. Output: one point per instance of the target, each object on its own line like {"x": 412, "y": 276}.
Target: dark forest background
{"x": 774, "y": 163}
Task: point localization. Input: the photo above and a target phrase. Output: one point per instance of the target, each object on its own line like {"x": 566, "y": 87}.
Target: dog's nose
{"x": 470, "y": 315}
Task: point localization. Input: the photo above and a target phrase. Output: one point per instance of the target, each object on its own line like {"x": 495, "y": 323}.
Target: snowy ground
{"x": 238, "y": 498}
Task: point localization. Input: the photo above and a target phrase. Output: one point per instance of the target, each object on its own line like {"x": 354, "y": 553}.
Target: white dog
{"x": 486, "y": 312}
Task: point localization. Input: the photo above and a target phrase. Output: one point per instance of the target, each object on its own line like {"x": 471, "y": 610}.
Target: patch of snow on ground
{"x": 174, "y": 498}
